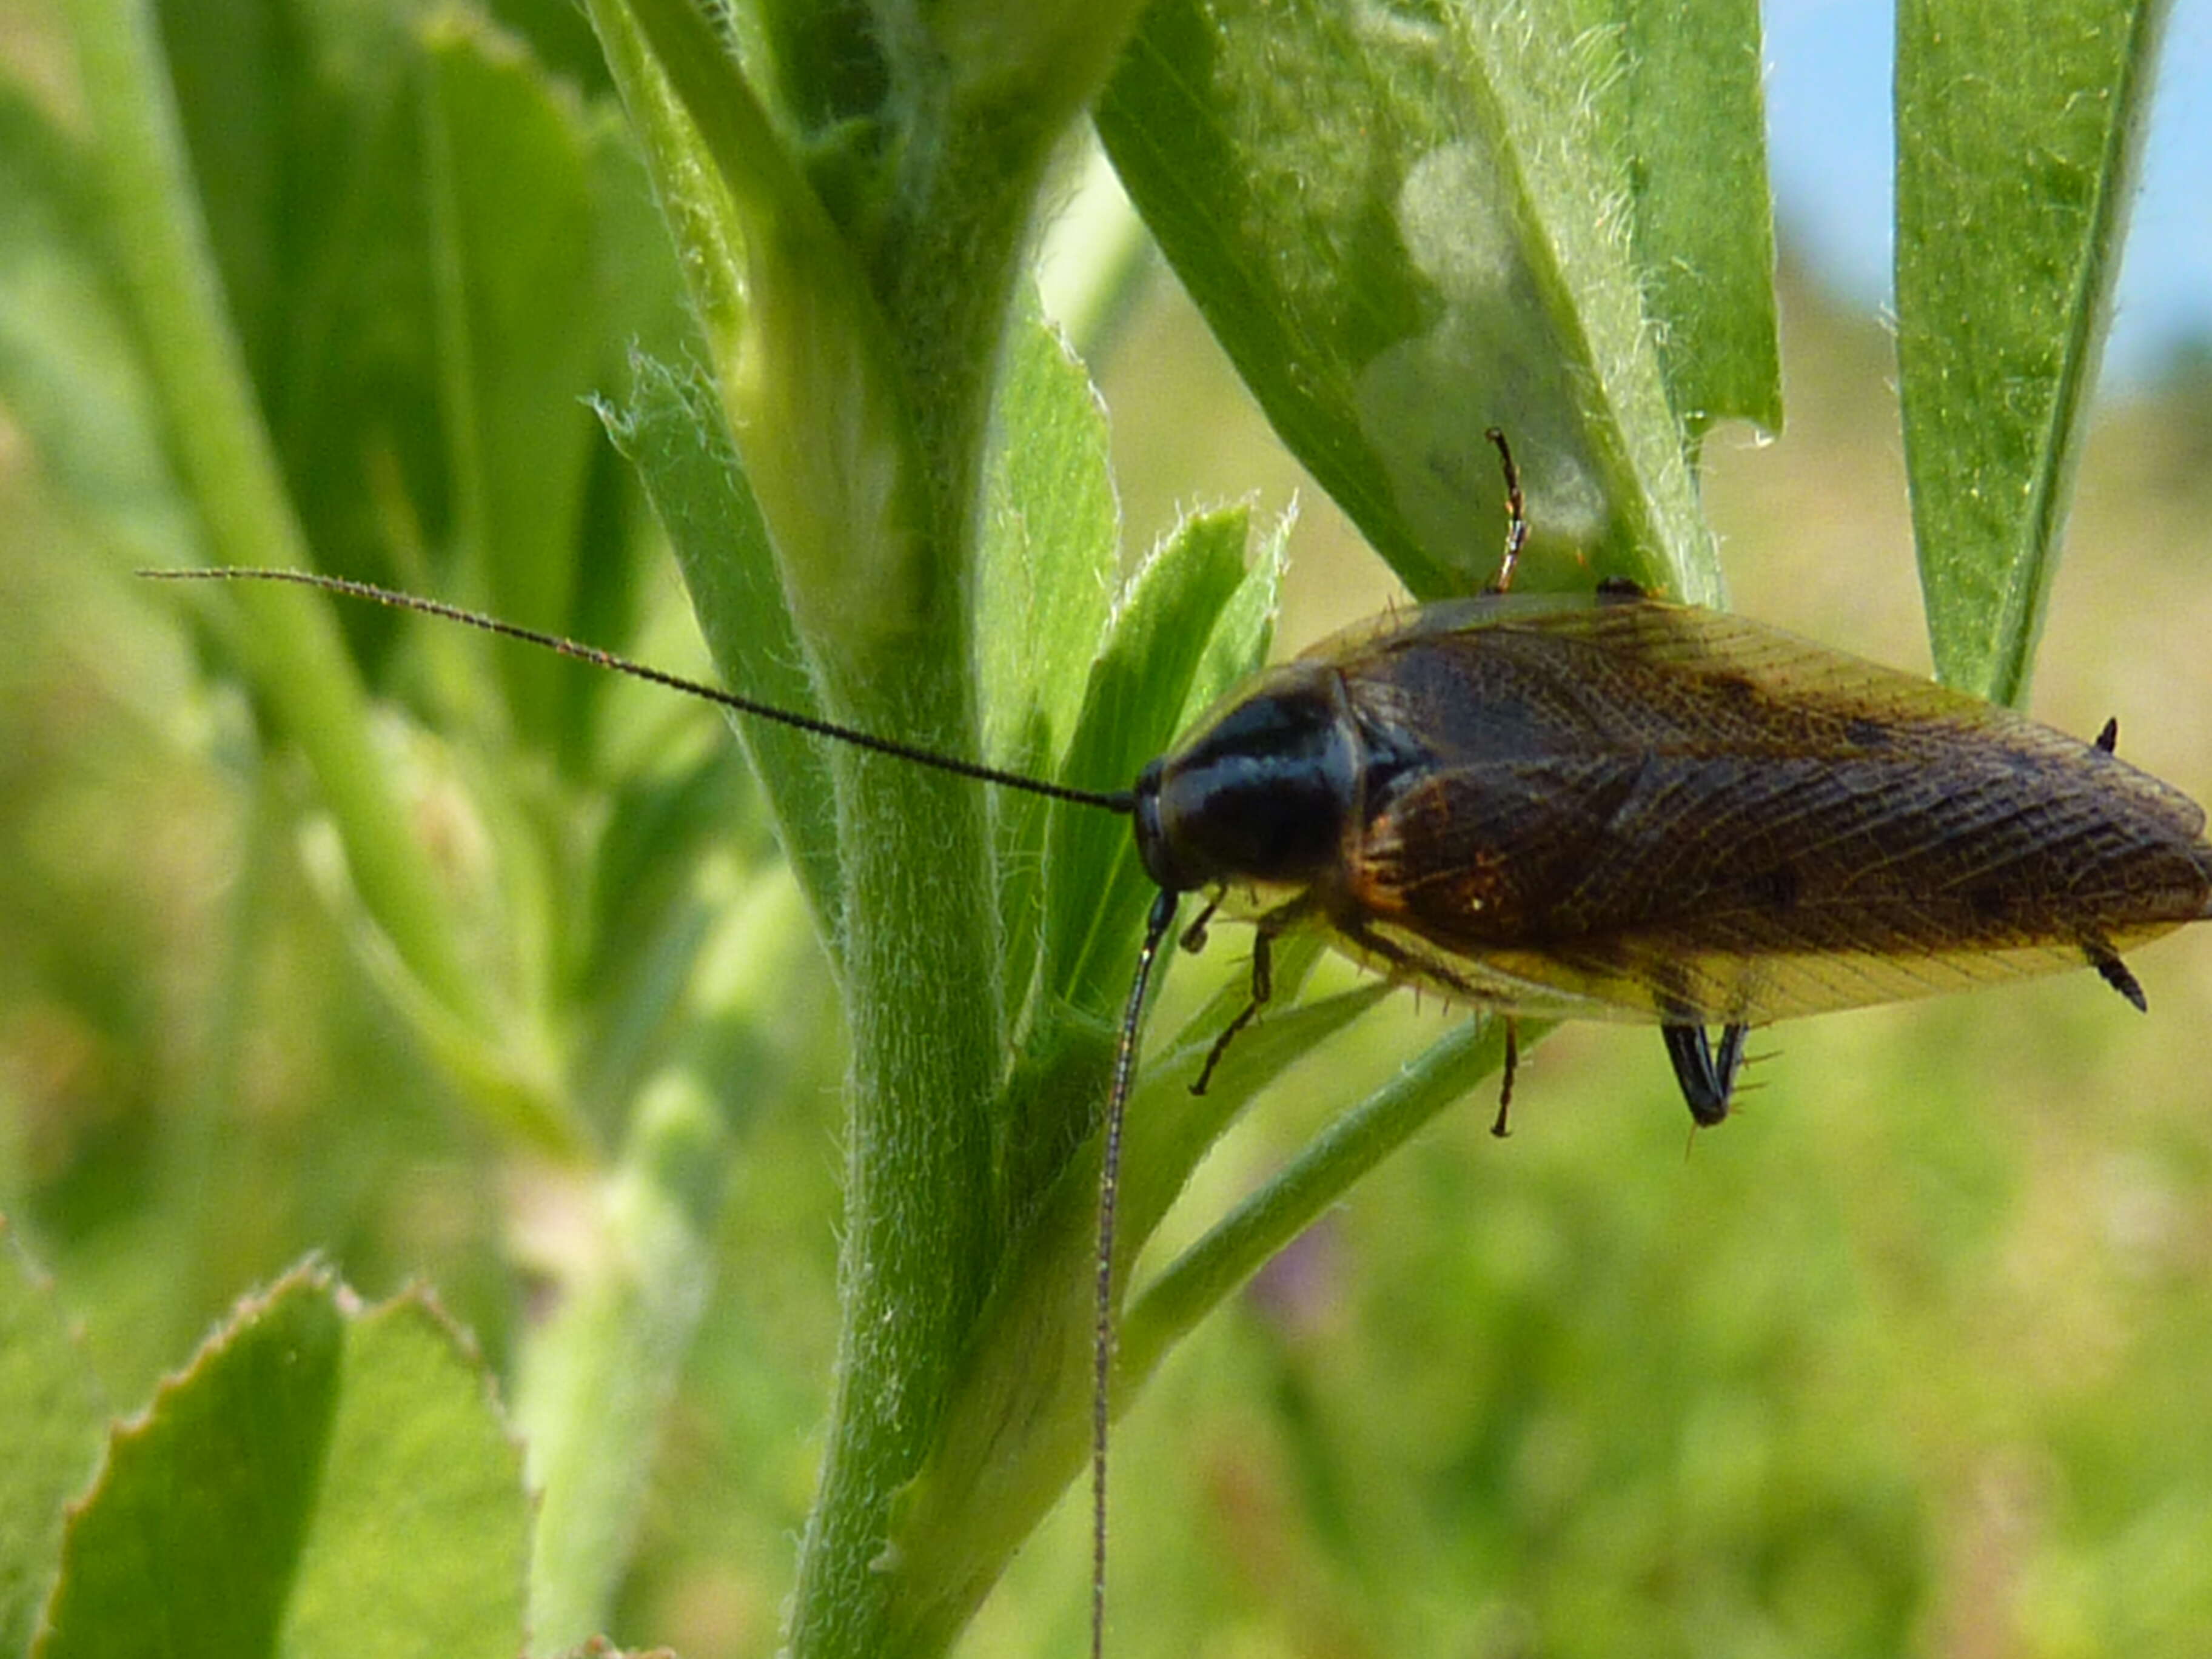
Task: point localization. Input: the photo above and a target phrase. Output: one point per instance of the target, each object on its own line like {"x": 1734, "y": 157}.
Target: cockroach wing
{"x": 1625, "y": 810}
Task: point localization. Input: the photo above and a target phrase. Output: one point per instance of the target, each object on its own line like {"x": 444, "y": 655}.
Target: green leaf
{"x": 1245, "y": 629}
{"x": 188, "y": 1543}
{"x": 1694, "y": 128}
{"x": 648, "y": 917}
{"x": 233, "y": 64}
{"x": 1137, "y": 698}
{"x": 512, "y": 247}
{"x": 1052, "y": 532}
{"x": 51, "y": 1406}
{"x": 419, "y": 1537}
{"x": 671, "y": 431}
{"x": 319, "y": 1480}
{"x": 1170, "y": 1131}
{"x": 2019, "y": 137}
{"x": 1405, "y": 227}
{"x": 1050, "y": 547}
{"x": 643, "y": 310}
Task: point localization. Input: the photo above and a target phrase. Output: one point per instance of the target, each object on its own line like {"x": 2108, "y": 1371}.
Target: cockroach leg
{"x": 1263, "y": 986}
{"x": 1707, "y": 1081}
{"x": 1498, "y": 1126}
{"x": 2114, "y": 972}
{"x": 1193, "y": 937}
{"x": 1516, "y": 514}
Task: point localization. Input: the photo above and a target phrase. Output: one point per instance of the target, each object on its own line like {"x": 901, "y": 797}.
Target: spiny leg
{"x": 1517, "y": 515}
{"x": 1498, "y": 1126}
{"x": 2114, "y": 972}
{"x": 1707, "y": 1081}
{"x": 1263, "y": 986}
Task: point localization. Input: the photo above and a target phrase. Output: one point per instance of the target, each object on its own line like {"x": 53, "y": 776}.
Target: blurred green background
{"x": 1915, "y": 1355}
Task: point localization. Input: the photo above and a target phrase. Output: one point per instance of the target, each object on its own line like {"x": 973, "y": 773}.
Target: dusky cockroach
{"x": 1601, "y": 806}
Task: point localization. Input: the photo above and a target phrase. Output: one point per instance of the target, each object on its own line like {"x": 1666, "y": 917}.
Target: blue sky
{"x": 1828, "y": 121}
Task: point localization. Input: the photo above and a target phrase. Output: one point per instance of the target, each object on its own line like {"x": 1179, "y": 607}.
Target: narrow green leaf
{"x": 1692, "y": 125}
{"x": 1245, "y": 629}
{"x": 1050, "y": 549}
{"x": 1407, "y": 227}
{"x": 512, "y": 247}
{"x": 643, "y": 309}
{"x": 1095, "y": 883}
{"x": 1132, "y": 707}
{"x": 349, "y": 361}
{"x": 319, "y": 1480}
{"x": 1171, "y": 1130}
{"x": 51, "y": 1406}
{"x": 304, "y": 132}
{"x": 671, "y": 431}
{"x": 647, "y": 916}
{"x": 2019, "y": 134}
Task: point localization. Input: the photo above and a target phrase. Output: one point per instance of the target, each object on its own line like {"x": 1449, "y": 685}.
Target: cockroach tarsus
{"x": 1598, "y": 807}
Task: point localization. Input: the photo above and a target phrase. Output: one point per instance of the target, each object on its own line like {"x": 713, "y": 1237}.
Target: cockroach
{"x": 1601, "y": 806}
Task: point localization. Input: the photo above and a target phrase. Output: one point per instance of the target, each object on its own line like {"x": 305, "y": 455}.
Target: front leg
{"x": 1707, "y": 1080}
{"x": 1265, "y": 929}
{"x": 1263, "y": 986}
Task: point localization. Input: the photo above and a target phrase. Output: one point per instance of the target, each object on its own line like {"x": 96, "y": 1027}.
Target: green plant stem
{"x": 876, "y": 563}
{"x": 922, "y": 979}
{"x": 858, "y": 363}
{"x": 293, "y": 650}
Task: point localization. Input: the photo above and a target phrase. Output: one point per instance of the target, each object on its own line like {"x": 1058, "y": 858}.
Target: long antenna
{"x": 1118, "y": 800}
{"x": 1157, "y": 928}
{"x": 1109, "y": 1185}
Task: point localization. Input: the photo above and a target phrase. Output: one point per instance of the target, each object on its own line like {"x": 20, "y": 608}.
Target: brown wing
{"x": 1638, "y": 812}
{"x": 1547, "y": 675}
